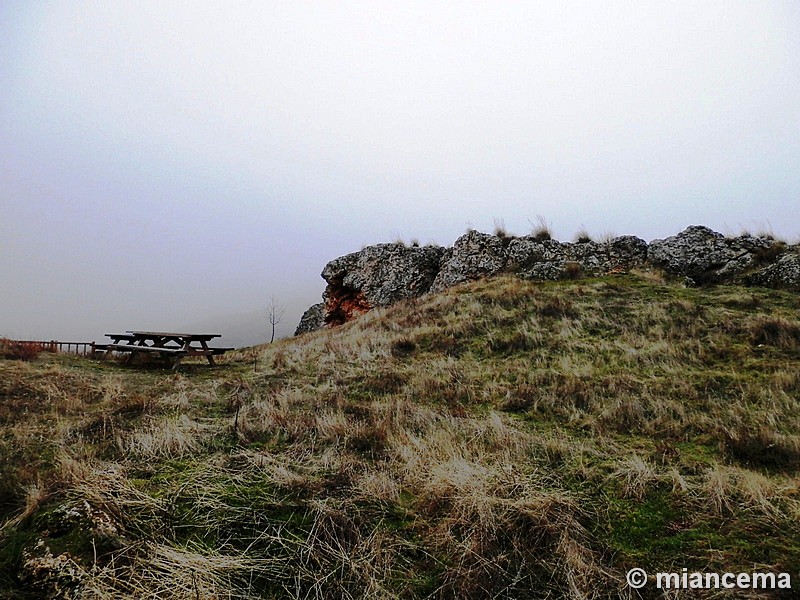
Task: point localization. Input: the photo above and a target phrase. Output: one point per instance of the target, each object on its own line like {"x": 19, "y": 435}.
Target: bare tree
{"x": 274, "y": 315}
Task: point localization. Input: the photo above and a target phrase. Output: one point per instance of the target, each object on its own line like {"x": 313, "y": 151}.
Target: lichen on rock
{"x": 474, "y": 255}
{"x": 52, "y": 576}
{"x": 312, "y": 319}
{"x": 706, "y": 256}
{"x": 377, "y": 276}
{"x": 784, "y": 273}
{"x": 552, "y": 260}
{"x": 386, "y": 273}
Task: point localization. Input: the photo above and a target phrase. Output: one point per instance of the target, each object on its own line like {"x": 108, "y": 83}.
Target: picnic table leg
{"x": 177, "y": 363}
{"x": 208, "y": 353}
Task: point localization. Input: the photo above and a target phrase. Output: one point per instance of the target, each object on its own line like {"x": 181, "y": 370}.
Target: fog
{"x": 174, "y": 165}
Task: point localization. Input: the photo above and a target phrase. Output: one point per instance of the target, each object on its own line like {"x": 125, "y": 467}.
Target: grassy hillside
{"x": 502, "y": 439}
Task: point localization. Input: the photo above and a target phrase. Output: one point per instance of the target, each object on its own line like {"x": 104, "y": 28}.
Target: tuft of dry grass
{"x": 541, "y": 230}
{"x": 582, "y": 236}
{"x": 636, "y": 476}
{"x": 774, "y": 331}
{"x": 35, "y": 495}
{"x": 175, "y": 436}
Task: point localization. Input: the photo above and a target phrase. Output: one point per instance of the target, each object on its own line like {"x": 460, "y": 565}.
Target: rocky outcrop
{"x": 705, "y": 256}
{"x": 626, "y": 252}
{"x": 551, "y": 260}
{"x": 474, "y": 255}
{"x": 312, "y": 319}
{"x": 377, "y": 276}
{"x": 784, "y": 273}
{"x": 386, "y": 273}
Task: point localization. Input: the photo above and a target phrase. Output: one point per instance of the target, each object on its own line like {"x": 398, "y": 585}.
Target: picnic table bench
{"x": 165, "y": 344}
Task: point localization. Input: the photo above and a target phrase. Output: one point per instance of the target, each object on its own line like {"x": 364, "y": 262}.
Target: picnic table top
{"x": 160, "y": 334}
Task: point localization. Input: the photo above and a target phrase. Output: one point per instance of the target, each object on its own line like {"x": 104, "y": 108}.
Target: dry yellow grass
{"x": 502, "y": 439}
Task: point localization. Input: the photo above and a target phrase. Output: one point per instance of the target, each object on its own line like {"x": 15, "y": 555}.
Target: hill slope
{"x": 499, "y": 439}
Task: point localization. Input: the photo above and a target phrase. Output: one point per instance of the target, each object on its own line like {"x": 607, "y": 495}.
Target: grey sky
{"x": 172, "y": 163}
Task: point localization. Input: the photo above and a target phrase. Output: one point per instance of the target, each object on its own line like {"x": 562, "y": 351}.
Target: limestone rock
{"x": 626, "y": 252}
{"x": 694, "y": 251}
{"x": 706, "y": 256}
{"x": 534, "y": 259}
{"x": 377, "y": 276}
{"x": 312, "y": 319}
{"x": 383, "y": 274}
{"x": 50, "y": 575}
{"x": 474, "y": 255}
{"x": 550, "y": 260}
{"x": 784, "y": 273}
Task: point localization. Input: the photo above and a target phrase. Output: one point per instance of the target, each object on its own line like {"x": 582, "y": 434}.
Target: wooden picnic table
{"x": 166, "y": 344}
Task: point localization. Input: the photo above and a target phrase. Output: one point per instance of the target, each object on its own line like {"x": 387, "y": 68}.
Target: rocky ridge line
{"x": 383, "y": 274}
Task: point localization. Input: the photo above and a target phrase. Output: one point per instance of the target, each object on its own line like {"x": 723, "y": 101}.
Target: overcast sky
{"x": 169, "y": 163}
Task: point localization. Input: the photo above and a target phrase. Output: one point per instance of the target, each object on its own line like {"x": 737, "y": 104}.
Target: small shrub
{"x": 762, "y": 447}
{"x": 770, "y": 254}
{"x": 558, "y": 307}
{"x": 774, "y": 331}
{"x": 11, "y": 350}
{"x": 403, "y": 347}
{"x": 572, "y": 270}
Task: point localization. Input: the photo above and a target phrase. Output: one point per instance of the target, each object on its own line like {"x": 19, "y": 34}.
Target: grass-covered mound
{"x": 501, "y": 439}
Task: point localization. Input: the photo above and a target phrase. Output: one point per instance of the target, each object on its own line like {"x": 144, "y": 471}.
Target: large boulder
{"x": 537, "y": 259}
{"x": 377, "y": 276}
{"x": 474, "y": 255}
{"x": 312, "y": 319}
{"x": 705, "y": 256}
{"x": 784, "y": 273}
{"x": 550, "y": 260}
{"x": 626, "y": 252}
